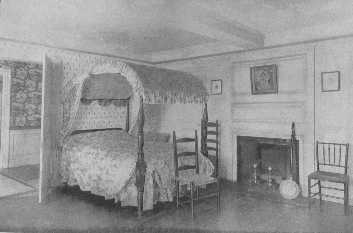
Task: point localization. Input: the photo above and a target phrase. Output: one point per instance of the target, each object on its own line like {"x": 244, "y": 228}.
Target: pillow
{"x": 156, "y": 137}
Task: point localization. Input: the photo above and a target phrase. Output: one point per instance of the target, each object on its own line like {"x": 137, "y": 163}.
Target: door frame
{"x": 5, "y": 117}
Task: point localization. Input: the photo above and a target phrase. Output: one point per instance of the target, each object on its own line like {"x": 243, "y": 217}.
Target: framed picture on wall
{"x": 330, "y": 81}
{"x": 216, "y": 87}
{"x": 264, "y": 79}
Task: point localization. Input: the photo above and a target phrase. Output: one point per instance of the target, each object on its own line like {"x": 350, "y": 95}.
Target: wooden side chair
{"x": 194, "y": 181}
{"x": 331, "y": 160}
{"x": 212, "y": 144}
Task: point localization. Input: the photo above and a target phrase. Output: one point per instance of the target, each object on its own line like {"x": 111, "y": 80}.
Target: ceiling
{"x": 160, "y": 30}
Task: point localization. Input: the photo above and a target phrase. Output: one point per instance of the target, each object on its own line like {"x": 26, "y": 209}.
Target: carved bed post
{"x": 204, "y": 121}
{"x": 140, "y": 163}
{"x": 127, "y": 123}
{"x": 293, "y": 152}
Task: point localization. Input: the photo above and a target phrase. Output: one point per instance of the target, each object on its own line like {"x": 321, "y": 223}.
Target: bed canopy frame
{"x": 149, "y": 85}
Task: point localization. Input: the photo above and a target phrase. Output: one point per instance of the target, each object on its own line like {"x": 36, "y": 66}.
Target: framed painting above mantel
{"x": 264, "y": 79}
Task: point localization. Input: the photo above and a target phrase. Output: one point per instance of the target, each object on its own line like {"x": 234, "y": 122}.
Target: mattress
{"x": 103, "y": 162}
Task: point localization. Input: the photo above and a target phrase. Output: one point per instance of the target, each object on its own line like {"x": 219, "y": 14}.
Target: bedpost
{"x": 204, "y": 122}
{"x": 140, "y": 163}
{"x": 293, "y": 152}
{"x": 127, "y": 123}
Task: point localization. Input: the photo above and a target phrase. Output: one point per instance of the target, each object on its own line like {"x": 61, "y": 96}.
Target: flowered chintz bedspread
{"x": 103, "y": 162}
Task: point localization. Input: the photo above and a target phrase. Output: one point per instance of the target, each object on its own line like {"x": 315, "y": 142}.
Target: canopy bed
{"x": 103, "y": 131}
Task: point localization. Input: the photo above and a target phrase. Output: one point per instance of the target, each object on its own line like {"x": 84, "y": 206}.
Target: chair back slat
{"x": 212, "y": 132}
{"x": 186, "y": 167}
{"x": 177, "y": 155}
{"x": 210, "y": 140}
{"x": 211, "y": 148}
{"x": 182, "y": 140}
{"x": 327, "y": 154}
{"x": 212, "y": 124}
{"x": 186, "y": 153}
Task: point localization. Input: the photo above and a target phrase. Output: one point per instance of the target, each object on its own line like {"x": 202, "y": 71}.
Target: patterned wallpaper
{"x": 26, "y": 94}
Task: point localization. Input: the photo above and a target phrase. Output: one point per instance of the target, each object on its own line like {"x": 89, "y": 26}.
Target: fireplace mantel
{"x": 265, "y": 140}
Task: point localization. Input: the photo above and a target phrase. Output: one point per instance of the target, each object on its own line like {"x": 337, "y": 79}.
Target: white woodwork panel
{"x": 291, "y": 76}
{"x": 294, "y": 96}
{"x": 265, "y": 129}
{"x": 5, "y": 116}
{"x": 50, "y": 125}
{"x": 271, "y": 112}
{"x": 24, "y": 147}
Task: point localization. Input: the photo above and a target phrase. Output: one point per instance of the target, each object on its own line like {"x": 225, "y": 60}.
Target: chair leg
{"x": 218, "y": 197}
{"x": 197, "y": 198}
{"x": 346, "y": 199}
{"x": 197, "y": 193}
{"x": 320, "y": 194}
{"x": 192, "y": 198}
{"x": 177, "y": 193}
{"x": 309, "y": 191}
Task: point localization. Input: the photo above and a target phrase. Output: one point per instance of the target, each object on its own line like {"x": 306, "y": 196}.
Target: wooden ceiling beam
{"x": 227, "y": 32}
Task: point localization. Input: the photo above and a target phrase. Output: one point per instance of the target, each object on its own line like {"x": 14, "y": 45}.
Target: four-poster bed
{"x": 131, "y": 87}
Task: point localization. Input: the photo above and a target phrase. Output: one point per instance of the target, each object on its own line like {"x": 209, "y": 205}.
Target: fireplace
{"x": 277, "y": 154}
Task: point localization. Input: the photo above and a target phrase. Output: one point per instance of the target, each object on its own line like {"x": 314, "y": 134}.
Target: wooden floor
{"x": 242, "y": 210}
{"x": 9, "y": 187}
{"x": 28, "y": 174}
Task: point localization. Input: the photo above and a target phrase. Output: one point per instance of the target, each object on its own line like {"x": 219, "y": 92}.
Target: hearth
{"x": 274, "y": 157}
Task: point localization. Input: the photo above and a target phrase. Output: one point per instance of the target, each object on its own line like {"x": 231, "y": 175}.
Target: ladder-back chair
{"x": 212, "y": 144}
{"x": 331, "y": 160}
{"x": 194, "y": 181}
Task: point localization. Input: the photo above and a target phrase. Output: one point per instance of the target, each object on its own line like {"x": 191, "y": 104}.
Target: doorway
{"x": 15, "y": 177}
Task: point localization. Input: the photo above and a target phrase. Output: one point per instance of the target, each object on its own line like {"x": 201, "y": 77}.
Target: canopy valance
{"x": 165, "y": 86}
{"x": 138, "y": 82}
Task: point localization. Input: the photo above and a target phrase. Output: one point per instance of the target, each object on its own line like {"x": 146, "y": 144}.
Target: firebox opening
{"x": 268, "y": 156}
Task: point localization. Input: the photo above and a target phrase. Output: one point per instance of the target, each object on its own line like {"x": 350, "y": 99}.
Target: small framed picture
{"x": 216, "y": 87}
{"x": 264, "y": 79}
{"x": 330, "y": 81}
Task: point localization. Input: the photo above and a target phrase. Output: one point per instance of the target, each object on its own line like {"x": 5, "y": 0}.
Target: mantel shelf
{"x": 271, "y": 141}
